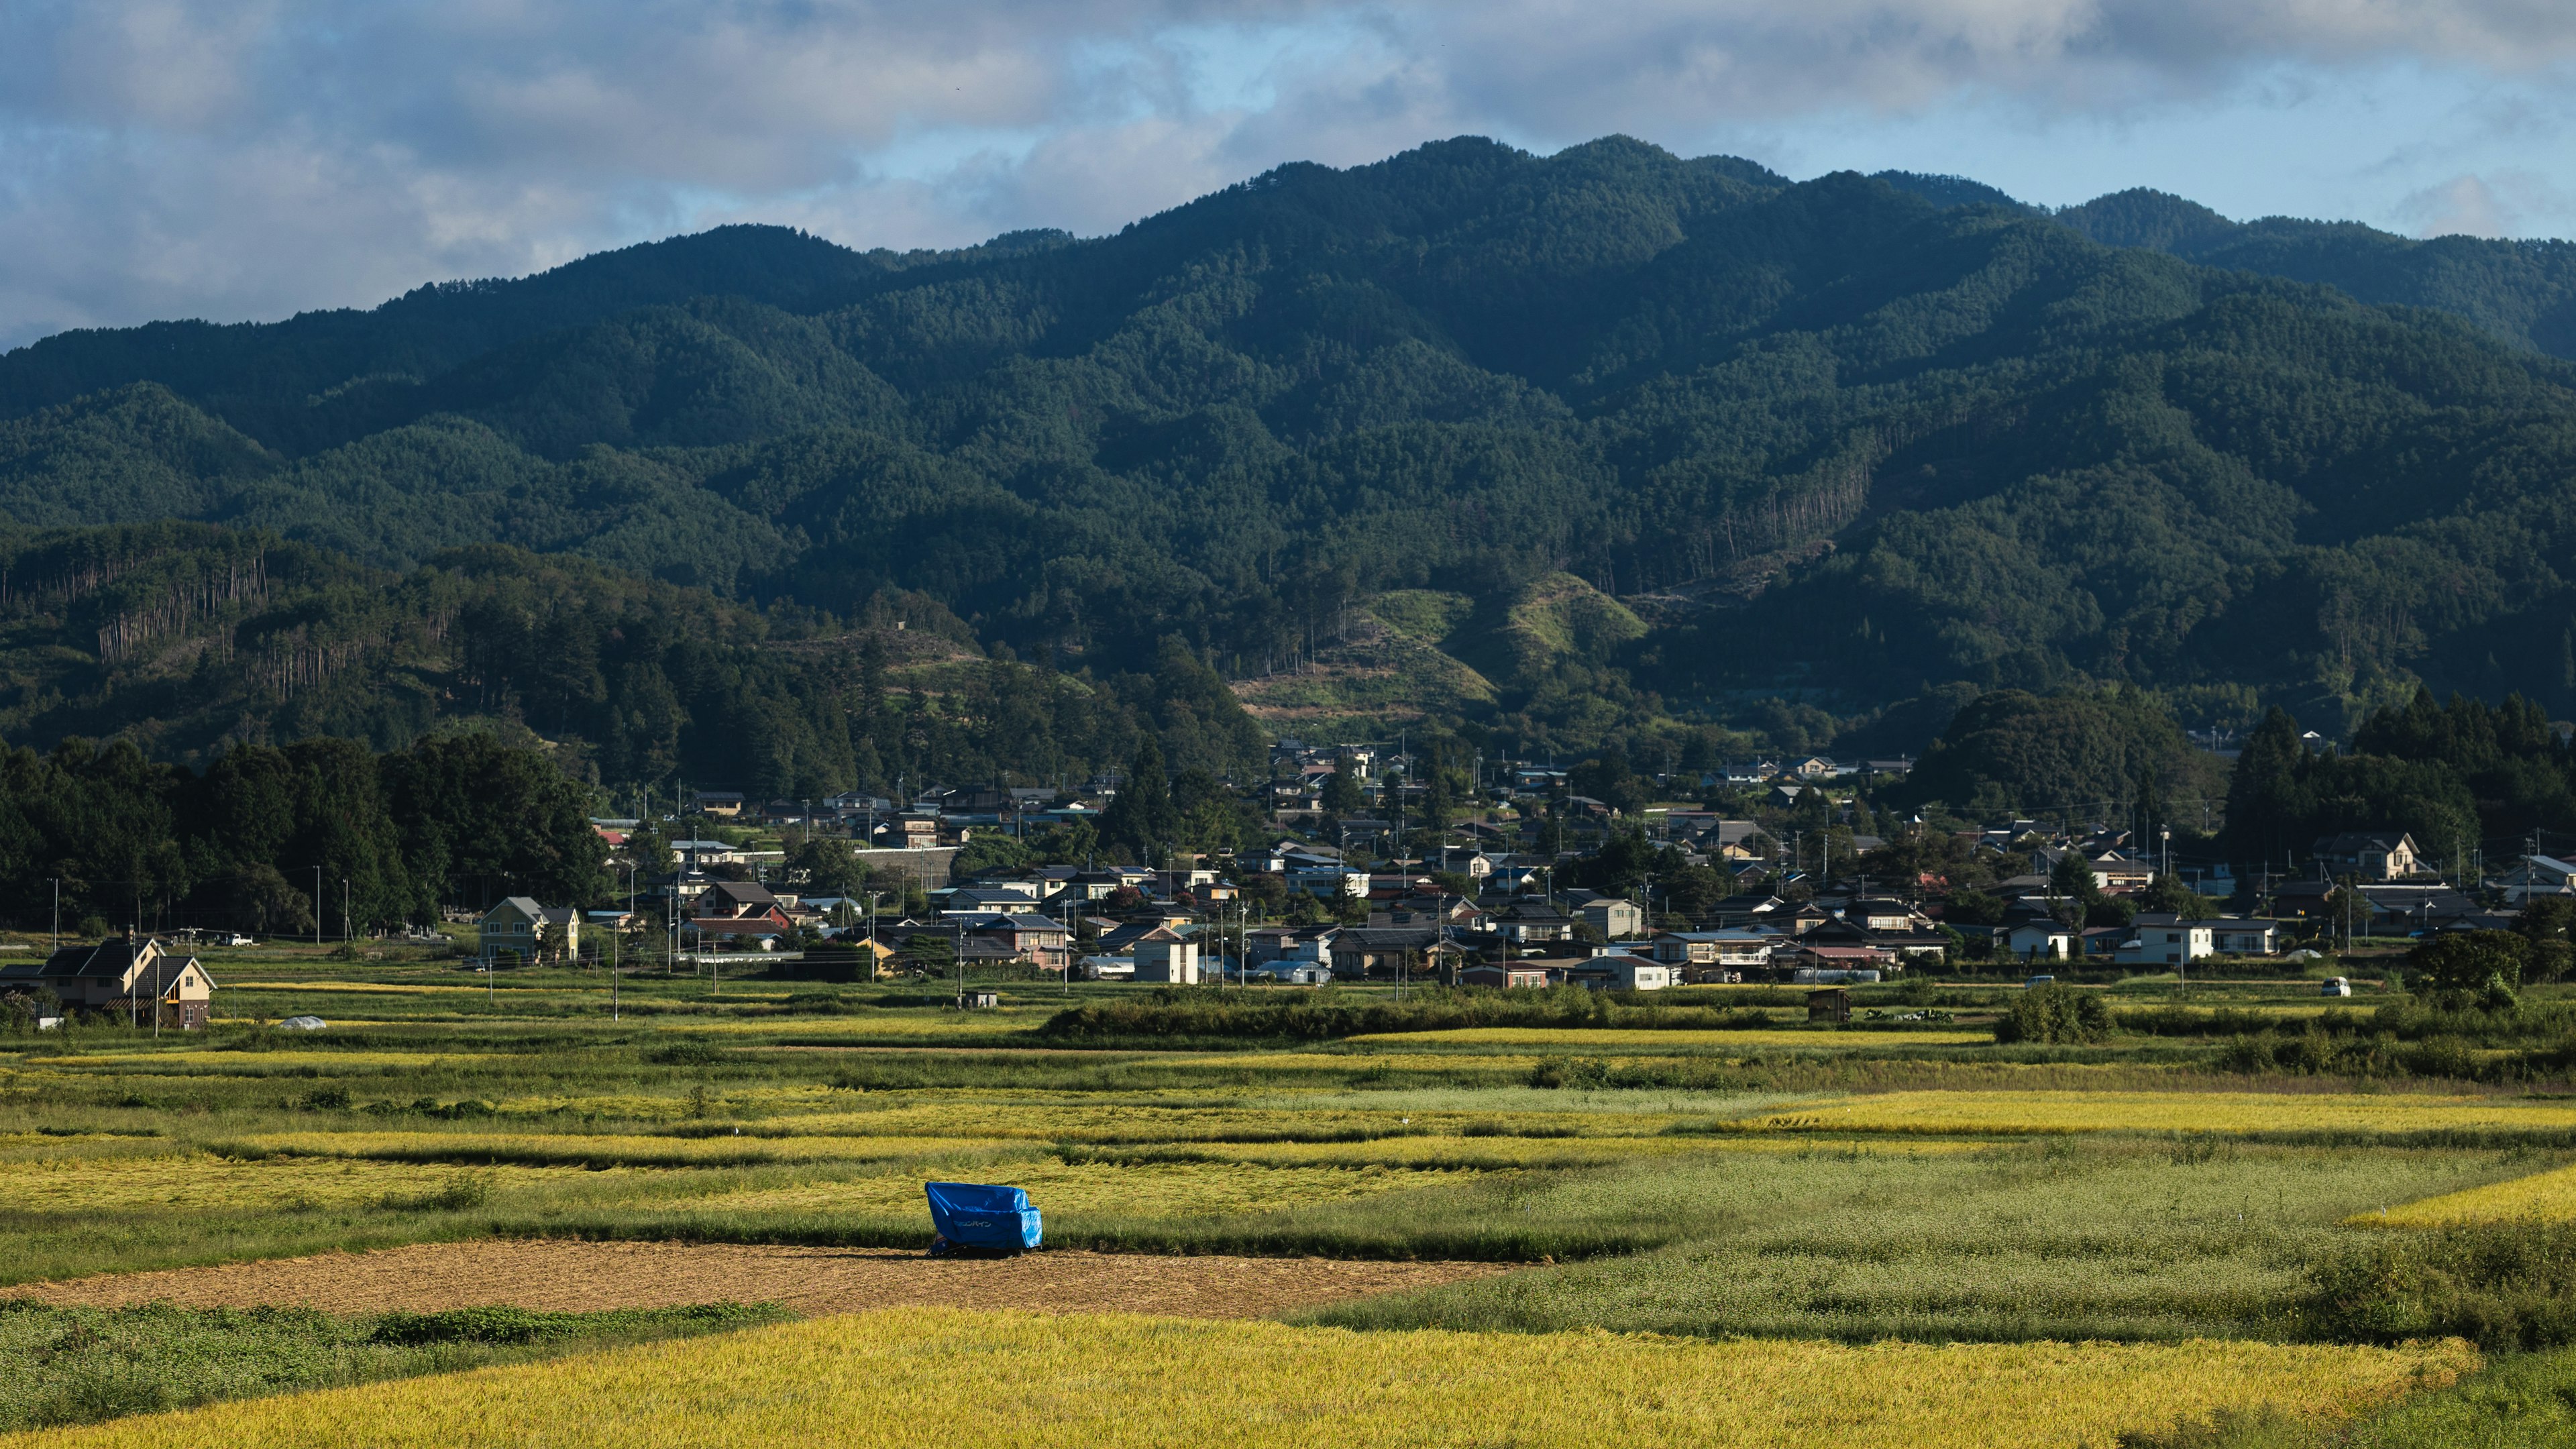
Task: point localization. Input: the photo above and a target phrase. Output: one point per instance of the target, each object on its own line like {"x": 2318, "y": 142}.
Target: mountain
{"x": 2522, "y": 291}
{"x": 192, "y": 639}
{"x": 1681, "y": 443}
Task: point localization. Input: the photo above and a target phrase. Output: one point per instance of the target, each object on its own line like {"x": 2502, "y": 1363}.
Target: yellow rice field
{"x": 1152, "y": 1190}
{"x": 1046, "y": 1122}
{"x": 261, "y": 1064}
{"x": 382, "y": 988}
{"x": 1501, "y": 1153}
{"x": 1008, "y": 1379}
{"x": 627, "y": 1149}
{"x": 196, "y": 1180}
{"x": 1607, "y": 1038}
{"x": 908, "y": 1023}
{"x": 2035, "y": 1112}
{"x": 2547, "y": 1195}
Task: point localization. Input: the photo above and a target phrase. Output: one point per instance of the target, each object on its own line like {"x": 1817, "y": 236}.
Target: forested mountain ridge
{"x": 1832, "y": 440}
{"x": 193, "y": 640}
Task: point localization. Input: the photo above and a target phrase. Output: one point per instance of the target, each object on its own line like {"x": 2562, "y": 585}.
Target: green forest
{"x": 1834, "y": 455}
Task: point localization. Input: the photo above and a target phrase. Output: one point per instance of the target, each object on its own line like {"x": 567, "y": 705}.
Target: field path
{"x": 564, "y": 1274}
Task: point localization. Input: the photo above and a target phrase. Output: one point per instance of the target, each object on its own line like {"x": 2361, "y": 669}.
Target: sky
{"x": 250, "y": 159}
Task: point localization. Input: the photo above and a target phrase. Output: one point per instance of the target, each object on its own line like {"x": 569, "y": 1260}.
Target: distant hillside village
{"x": 1525, "y": 881}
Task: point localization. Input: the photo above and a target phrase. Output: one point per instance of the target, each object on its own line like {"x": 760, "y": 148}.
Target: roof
{"x": 2353, "y": 841}
{"x": 742, "y": 892}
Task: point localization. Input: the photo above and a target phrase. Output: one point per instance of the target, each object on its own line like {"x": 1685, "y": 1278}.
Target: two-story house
{"x": 2369, "y": 854}
{"x": 528, "y": 930}
{"x": 118, "y": 977}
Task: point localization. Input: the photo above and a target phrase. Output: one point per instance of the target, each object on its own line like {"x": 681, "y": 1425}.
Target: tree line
{"x": 321, "y": 833}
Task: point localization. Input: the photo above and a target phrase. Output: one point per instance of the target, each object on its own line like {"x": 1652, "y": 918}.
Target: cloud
{"x": 244, "y": 159}
{"x": 2502, "y": 205}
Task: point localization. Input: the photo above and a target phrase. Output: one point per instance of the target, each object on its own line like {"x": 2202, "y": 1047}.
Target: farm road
{"x": 563, "y": 1274}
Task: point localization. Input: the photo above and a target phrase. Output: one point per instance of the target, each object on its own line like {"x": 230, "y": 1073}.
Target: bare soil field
{"x": 562, "y": 1274}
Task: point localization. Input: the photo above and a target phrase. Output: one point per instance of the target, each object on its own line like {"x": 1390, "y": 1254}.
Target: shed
{"x": 1832, "y": 1005}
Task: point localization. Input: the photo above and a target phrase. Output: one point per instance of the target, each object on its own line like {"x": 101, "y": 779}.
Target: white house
{"x": 2168, "y": 940}
{"x": 1636, "y": 973}
{"x": 1163, "y": 955}
{"x": 2046, "y": 939}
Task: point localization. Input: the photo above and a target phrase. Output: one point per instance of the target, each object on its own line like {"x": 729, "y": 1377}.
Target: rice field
{"x": 1495, "y": 1154}
{"x": 178, "y": 1062}
{"x": 1006, "y": 1379}
{"x": 1156, "y": 1190}
{"x": 201, "y": 1181}
{"x": 1646, "y": 1040}
{"x": 2018, "y": 1113}
{"x": 609, "y": 1149}
{"x": 1891, "y": 1235}
{"x": 2547, "y": 1196}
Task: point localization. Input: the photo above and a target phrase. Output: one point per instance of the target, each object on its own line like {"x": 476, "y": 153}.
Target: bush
{"x": 2502, "y": 1286}
{"x": 2054, "y": 1014}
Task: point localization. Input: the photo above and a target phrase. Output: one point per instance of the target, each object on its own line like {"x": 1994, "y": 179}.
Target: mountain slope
{"x": 1840, "y": 439}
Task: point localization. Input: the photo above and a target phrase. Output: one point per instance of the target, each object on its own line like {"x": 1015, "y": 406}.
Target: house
{"x": 1715, "y": 955}
{"x": 1888, "y": 916}
{"x": 1636, "y": 973}
{"x": 115, "y": 975}
{"x": 2157, "y": 939}
{"x": 1526, "y": 921}
{"x": 719, "y": 802}
{"x": 1381, "y": 952}
{"x": 739, "y": 911}
{"x": 2042, "y": 939}
{"x": 1837, "y": 963}
{"x": 521, "y": 926}
{"x": 2118, "y": 875}
{"x": 2369, "y": 854}
{"x": 699, "y": 854}
{"x": 976, "y": 900}
{"x": 1895, "y": 945}
{"x": 1164, "y": 955}
{"x": 1507, "y": 977}
{"x": 1040, "y": 941}
{"x": 1615, "y": 919}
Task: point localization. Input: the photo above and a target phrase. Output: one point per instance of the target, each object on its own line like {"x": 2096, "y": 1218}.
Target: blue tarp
{"x": 981, "y": 1215}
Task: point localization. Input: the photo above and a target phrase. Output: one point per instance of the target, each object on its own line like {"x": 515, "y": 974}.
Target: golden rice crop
{"x": 264, "y": 1064}
{"x": 1605, "y": 1038}
{"x": 2018, "y": 1112}
{"x": 384, "y": 988}
{"x": 2546, "y": 1195}
{"x": 887, "y": 1023}
{"x": 197, "y": 1180}
{"x": 1044, "y": 1122}
{"x": 1499, "y": 1153}
{"x": 1148, "y": 1190}
{"x": 899, "y": 1376}
{"x": 1274, "y": 1063}
{"x": 731, "y": 1102}
{"x": 630, "y": 1149}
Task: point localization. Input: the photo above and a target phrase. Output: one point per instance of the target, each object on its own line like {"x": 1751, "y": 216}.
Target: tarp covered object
{"x": 981, "y": 1215}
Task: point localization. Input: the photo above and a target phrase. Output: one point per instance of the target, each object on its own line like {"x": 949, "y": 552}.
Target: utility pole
{"x": 58, "y": 913}
{"x": 348, "y": 931}
{"x": 317, "y": 906}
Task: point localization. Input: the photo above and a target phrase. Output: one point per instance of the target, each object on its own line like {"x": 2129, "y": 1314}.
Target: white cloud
{"x": 2501, "y": 205}
{"x": 244, "y": 159}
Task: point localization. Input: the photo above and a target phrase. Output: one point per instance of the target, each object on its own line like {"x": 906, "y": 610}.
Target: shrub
{"x": 2054, "y": 1014}
{"x": 2503, "y": 1286}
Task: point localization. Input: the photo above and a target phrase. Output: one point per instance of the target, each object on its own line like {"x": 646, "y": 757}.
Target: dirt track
{"x": 575, "y": 1275}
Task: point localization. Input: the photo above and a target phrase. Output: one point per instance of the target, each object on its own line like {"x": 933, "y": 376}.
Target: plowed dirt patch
{"x": 546, "y": 1273}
